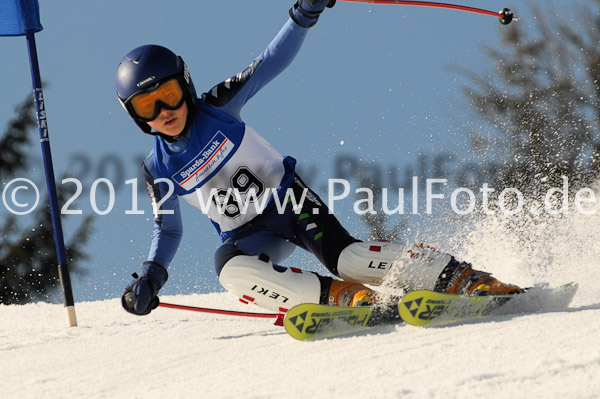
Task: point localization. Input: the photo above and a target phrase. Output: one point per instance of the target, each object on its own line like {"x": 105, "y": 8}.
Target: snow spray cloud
{"x": 530, "y": 249}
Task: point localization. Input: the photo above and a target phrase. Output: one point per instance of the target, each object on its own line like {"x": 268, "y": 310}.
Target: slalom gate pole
{"x": 63, "y": 269}
{"x": 505, "y": 16}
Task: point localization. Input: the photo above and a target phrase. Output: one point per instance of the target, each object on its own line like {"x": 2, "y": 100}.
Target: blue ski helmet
{"x": 144, "y": 68}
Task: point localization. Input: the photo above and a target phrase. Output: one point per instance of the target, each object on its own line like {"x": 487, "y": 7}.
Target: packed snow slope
{"x": 181, "y": 354}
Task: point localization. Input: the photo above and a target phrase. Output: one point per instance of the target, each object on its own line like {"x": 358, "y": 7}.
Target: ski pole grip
{"x": 507, "y": 16}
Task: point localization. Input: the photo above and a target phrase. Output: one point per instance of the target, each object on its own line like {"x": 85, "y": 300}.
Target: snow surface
{"x": 174, "y": 353}
{"x": 181, "y": 354}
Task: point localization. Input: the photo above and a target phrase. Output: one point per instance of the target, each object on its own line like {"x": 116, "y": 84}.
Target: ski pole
{"x": 504, "y": 15}
{"x": 219, "y": 311}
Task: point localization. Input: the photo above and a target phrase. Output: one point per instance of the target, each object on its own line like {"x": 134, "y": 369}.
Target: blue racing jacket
{"x": 220, "y": 163}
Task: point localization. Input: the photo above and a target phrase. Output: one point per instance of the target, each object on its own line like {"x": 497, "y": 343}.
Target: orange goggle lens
{"x": 147, "y": 105}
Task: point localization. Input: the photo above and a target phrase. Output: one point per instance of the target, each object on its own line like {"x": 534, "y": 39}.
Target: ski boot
{"x": 345, "y": 293}
{"x": 461, "y": 279}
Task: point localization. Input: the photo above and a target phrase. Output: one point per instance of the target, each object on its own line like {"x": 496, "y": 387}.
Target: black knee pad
{"x": 335, "y": 239}
{"x": 224, "y": 254}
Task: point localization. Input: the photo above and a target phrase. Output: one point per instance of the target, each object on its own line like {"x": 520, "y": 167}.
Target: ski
{"x": 429, "y": 309}
{"x": 309, "y": 321}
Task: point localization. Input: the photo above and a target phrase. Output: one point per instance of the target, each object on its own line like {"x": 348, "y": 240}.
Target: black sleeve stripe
{"x": 222, "y": 93}
{"x": 153, "y": 190}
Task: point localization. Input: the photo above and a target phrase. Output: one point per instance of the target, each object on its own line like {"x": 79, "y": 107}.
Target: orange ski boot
{"x": 465, "y": 280}
{"x": 347, "y": 293}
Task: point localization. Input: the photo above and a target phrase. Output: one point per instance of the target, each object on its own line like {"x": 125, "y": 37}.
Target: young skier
{"x": 204, "y": 153}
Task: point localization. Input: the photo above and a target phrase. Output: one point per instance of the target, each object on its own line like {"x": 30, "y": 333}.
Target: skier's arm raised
{"x": 232, "y": 94}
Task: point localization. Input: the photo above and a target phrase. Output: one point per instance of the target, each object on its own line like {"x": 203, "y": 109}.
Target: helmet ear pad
{"x": 144, "y": 67}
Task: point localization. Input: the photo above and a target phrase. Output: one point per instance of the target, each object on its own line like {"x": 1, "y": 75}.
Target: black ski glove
{"x": 306, "y": 12}
{"x": 140, "y": 296}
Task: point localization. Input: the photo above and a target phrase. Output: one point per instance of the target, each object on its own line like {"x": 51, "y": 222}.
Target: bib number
{"x": 243, "y": 182}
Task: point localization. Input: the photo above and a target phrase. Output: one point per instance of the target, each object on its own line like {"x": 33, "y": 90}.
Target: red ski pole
{"x": 504, "y": 15}
{"x": 219, "y": 311}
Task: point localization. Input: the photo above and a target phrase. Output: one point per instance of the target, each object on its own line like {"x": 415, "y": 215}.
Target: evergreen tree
{"x": 28, "y": 262}
{"x": 543, "y": 100}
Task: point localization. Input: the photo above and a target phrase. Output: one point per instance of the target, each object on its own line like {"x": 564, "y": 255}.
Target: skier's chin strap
{"x": 167, "y": 138}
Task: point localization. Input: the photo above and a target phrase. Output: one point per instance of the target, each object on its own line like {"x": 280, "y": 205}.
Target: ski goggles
{"x": 147, "y": 104}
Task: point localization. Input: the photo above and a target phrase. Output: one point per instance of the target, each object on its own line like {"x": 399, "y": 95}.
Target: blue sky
{"x": 377, "y": 82}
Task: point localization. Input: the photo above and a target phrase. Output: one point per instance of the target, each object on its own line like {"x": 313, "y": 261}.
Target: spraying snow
{"x": 175, "y": 353}
{"x": 172, "y": 353}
